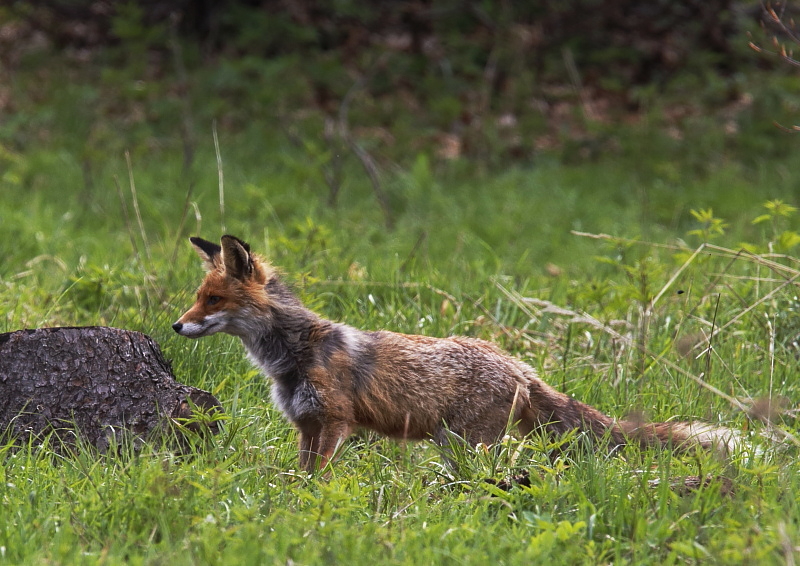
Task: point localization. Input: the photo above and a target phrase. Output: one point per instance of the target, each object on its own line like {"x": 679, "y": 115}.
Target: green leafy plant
{"x": 710, "y": 226}
{"x": 781, "y": 239}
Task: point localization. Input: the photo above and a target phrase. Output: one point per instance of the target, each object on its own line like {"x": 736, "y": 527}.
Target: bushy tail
{"x": 681, "y": 435}
{"x": 558, "y": 414}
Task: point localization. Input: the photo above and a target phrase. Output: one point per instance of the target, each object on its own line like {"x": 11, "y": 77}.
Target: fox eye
{"x": 213, "y": 300}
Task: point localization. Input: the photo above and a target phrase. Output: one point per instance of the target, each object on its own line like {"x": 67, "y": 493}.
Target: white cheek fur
{"x": 191, "y": 328}
{"x": 210, "y": 324}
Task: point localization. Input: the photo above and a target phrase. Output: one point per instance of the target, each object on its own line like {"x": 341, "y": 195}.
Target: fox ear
{"x": 236, "y": 258}
{"x": 209, "y": 252}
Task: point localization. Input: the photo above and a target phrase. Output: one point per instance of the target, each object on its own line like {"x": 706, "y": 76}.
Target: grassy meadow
{"x": 610, "y": 263}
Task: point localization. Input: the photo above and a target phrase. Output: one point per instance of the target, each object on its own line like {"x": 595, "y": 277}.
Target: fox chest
{"x": 291, "y": 391}
{"x": 296, "y": 398}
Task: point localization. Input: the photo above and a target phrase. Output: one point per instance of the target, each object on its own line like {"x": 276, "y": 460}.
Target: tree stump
{"x": 97, "y": 384}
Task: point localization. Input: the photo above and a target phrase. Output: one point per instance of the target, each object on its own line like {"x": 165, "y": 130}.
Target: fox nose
{"x": 177, "y": 327}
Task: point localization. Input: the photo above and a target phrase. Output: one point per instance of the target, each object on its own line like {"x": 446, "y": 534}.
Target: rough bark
{"x": 99, "y": 384}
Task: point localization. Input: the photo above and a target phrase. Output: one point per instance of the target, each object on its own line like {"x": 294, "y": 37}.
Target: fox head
{"x": 233, "y": 296}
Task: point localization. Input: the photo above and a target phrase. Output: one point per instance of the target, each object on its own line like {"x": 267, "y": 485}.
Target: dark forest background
{"x": 492, "y": 79}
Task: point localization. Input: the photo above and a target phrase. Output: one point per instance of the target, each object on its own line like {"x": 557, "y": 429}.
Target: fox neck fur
{"x": 330, "y": 378}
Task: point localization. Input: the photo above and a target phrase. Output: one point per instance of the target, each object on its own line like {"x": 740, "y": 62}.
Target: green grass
{"x": 478, "y": 250}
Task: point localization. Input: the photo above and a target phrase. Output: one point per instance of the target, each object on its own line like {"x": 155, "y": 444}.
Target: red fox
{"x": 329, "y": 378}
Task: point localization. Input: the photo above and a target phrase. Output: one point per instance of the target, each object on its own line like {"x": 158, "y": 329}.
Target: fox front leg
{"x": 309, "y": 447}
{"x": 317, "y": 449}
